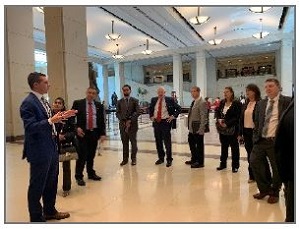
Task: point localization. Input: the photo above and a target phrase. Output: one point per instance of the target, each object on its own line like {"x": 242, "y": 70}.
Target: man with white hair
{"x": 163, "y": 111}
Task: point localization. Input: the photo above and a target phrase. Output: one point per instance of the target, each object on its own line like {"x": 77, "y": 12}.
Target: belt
{"x": 270, "y": 139}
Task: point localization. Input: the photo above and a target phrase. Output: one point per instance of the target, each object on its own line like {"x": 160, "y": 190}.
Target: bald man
{"x": 163, "y": 111}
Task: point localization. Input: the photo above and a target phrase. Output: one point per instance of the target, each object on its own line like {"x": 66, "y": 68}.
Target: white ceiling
{"x": 168, "y": 28}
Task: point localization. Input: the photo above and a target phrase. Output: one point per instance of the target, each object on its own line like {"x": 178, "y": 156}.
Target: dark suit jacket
{"x": 259, "y": 115}
{"x": 39, "y": 145}
{"x": 80, "y": 105}
{"x": 232, "y": 116}
{"x": 172, "y": 107}
{"x": 131, "y": 112}
{"x": 285, "y": 144}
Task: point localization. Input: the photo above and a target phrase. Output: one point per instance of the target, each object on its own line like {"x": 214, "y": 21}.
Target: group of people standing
{"x": 256, "y": 125}
{"x": 253, "y": 123}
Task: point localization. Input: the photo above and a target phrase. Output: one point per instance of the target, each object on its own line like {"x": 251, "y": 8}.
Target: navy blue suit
{"x": 40, "y": 149}
{"x": 162, "y": 130}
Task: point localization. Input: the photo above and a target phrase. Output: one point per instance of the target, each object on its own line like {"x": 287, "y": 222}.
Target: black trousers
{"x": 66, "y": 175}
{"x": 289, "y": 201}
{"x": 226, "y": 141}
{"x": 162, "y": 133}
{"x": 197, "y": 148}
{"x": 126, "y": 137}
{"x": 86, "y": 153}
{"x": 248, "y": 134}
{"x": 42, "y": 184}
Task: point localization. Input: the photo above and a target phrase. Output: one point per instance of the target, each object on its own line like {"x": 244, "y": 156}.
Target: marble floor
{"x": 148, "y": 192}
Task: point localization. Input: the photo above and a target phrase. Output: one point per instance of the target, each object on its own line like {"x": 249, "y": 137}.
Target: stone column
{"x": 66, "y": 48}
{"x": 119, "y": 78}
{"x": 287, "y": 60}
{"x": 178, "y": 78}
{"x": 201, "y": 74}
{"x": 18, "y": 63}
{"x": 105, "y": 84}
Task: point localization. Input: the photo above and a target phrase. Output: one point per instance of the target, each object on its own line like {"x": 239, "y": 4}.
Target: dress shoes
{"x": 273, "y": 199}
{"x": 123, "y": 163}
{"x": 188, "y": 162}
{"x": 235, "y": 170}
{"x": 221, "y": 167}
{"x": 58, "y": 216}
{"x": 169, "y": 163}
{"x": 133, "y": 162}
{"x": 260, "y": 195}
{"x": 196, "y": 165}
{"x": 158, "y": 162}
{"x": 94, "y": 177}
{"x": 80, "y": 182}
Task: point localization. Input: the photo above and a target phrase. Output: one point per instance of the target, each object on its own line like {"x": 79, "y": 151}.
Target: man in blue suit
{"x": 40, "y": 149}
{"x": 163, "y": 111}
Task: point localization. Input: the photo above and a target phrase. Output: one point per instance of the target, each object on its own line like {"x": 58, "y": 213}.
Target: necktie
{"x": 90, "y": 116}
{"x": 49, "y": 113}
{"x": 268, "y": 117}
{"x": 47, "y": 107}
{"x": 159, "y": 110}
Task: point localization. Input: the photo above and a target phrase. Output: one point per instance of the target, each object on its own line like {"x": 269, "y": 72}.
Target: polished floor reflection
{"x": 148, "y": 192}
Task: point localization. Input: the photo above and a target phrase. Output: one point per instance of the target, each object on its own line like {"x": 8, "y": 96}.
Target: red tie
{"x": 158, "y": 118}
{"x": 90, "y": 117}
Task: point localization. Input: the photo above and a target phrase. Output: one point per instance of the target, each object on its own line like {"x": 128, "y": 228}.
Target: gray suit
{"x": 197, "y": 119}
{"x": 264, "y": 148}
{"x": 128, "y": 111}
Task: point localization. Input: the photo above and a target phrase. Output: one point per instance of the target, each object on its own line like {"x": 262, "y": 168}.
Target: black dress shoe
{"x": 94, "y": 177}
{"x": 123, "y": 163}
{"x": 196, "y": 165}
{"x": 221, "y": 167}
{"x": 80, "y": 182}
{"x": 169, "y": 163}
{"x": 158, "y": 162}
{"x": 188, "y": 162}
{"x": 235, "y": 170}
{"x": 133, "y": 162}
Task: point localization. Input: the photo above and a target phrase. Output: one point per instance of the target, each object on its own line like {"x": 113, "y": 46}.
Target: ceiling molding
{"x": 188, "y": 24}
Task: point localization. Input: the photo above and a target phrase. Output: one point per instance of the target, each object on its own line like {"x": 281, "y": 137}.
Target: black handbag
{"x": 225, "y": 130}
{"x": 68, "y": 152}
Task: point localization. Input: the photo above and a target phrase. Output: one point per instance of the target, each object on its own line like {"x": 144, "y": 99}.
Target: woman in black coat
{"x": 227, "y": 123}
{"x": 65, "y": 136}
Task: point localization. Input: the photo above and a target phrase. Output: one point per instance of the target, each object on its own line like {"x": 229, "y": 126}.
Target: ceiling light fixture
{"x": 262, "y": 33}
{"x": 112, "y": 36}
{"x": 215, "y": 41}
{"x": 198, "y": 20}
{"x": 117, "y": 55}
{"x": 147, "y": 51}
{"x": 259, "y": 9}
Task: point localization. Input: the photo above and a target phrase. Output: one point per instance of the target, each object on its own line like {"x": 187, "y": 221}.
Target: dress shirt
{"x": 164, "y": 111}
{"x": 248, "y": 115}
{"x": 273, "y": 123}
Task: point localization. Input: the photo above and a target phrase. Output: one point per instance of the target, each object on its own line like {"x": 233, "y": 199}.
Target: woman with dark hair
{"x": 65, "y": 135}
{"x": 247, "y": 124}
{"x": 227, "y": 123}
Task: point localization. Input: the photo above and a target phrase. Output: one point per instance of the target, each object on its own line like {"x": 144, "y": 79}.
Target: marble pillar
{"x": 18, "y": 63}
{"x": 66, "y": 48}
{"x": 201, "y": 73}
{"x": 178, "y": 78}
